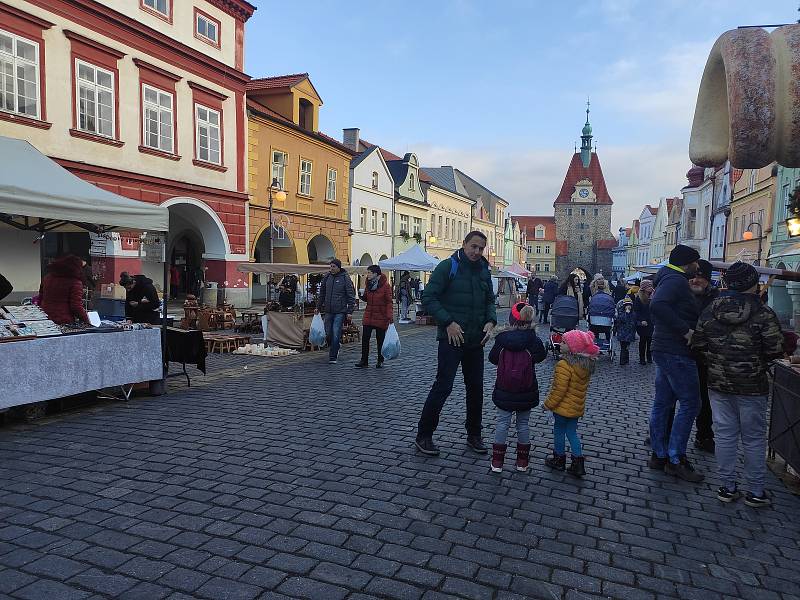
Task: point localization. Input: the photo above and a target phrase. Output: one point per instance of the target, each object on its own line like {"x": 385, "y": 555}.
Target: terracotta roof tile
{"x": 385, "y": 153}
{"x": 576, "y": 172}
{"x": 529, "y": 223}
{"x": 281, "y": 81}
{"x": 606, "y": 244}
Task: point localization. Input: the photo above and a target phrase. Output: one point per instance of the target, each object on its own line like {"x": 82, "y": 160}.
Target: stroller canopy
{"x": 565, "y": 306}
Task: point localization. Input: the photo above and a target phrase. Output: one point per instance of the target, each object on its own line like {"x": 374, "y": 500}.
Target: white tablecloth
{"x": 55, "y": 367}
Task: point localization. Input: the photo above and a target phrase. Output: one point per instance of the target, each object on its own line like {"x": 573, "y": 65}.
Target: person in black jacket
{"x": 675, "y": 313}
{"x": 336, "y": 300}
{"x": 141, "y": 299}
{"x": 519, "y": 337}
{"x": 532, "y": 291}
{"x": 548, "y": 297}
{"x": 705, "y": 294}
{"x": 5, "y": 287}
{"x": 644, "y": 321}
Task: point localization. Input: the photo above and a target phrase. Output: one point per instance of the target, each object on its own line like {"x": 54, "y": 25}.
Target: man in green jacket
{"x": 460, "y": 297}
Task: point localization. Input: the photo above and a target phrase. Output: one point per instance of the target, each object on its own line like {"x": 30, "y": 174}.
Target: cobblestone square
{"x": 291, "y": 478}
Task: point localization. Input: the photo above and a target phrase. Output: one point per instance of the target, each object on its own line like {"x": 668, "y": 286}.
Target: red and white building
{"x": 145, "y": 99}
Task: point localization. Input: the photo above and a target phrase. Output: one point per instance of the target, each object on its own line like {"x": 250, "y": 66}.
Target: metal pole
{"x": 271, "y": 227}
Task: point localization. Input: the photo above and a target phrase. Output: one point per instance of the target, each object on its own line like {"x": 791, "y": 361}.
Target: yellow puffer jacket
{"x": 567, "y": 395}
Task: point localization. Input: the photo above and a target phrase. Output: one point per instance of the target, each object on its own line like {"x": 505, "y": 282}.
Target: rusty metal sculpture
{"x": 748, "y": 106}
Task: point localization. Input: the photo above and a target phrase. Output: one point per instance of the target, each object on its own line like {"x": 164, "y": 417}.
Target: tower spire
{"x": 586, "y": 139}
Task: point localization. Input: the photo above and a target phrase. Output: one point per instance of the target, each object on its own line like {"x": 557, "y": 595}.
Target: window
{"x": 538, "y": 249}
{"x": 279, "y": 168}
{"x": 417, "y": 225}
{"x": 206, "y": 28}
{"x": 157, "y": 113}
{"x": 404, "y": 223}
{"x": 440, "y": 226}
{"x": 539, "y": 233}
{"x": 596, "y": 212}
{"x": 735, "y": 231}
{"x": 582, "y": 237}
{"x": 752, "y": 218}
{"x": 95, "y": 97}
{"x": 330, "y": 189}
{"x": 19, "y": 75}
{"x": 784, "y": 202}
{"x": 411, "y": 181}
{"x": 305, "y": 177}
{"x": 447, "y": 228}
{"x": 208, "y": 135}
{"x": 374, "y": 180}
{"x": 580, "y": 252}
{"x": 547, "y": 249}
{"x": 761, "y": 217}
{"x": 363, "y": 219}
{"x": 384, "y": 222}
{"x": 546, "y": 267}
{"x": 374, "y": 221}
{"x": 583, "y": 212}
{"x": 752, "y": 184}
{"x": 530, "y": 249}
{"x": 569, "y": 212}
{"x": 537, "y": 267}
{"x": 159, "y": 6}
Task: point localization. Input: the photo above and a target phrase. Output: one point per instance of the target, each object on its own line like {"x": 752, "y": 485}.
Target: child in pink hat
{"x": 567, "y": 398}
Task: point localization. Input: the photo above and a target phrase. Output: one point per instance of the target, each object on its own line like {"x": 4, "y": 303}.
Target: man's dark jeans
{"x": 545, "y": 312}
{"x": 471, "y": 361}
{"x": 676, "y": 382}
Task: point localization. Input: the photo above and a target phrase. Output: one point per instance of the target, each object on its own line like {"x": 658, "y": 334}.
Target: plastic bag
{"x": 316, "y": 335}
{"x": 391, "y": 343}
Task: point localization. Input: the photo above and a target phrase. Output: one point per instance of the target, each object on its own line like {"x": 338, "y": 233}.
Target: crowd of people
{"x": 711, "y": 347}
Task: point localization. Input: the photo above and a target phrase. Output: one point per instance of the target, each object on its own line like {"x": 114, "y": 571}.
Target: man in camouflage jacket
{"x": 739, "y": 336}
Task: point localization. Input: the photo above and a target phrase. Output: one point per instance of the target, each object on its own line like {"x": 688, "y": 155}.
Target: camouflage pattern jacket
{"x": 739, "y": 336}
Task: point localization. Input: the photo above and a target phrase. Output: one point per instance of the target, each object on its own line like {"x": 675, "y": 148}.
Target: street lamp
{"x": 748, "y": 235}
{"x": 793, "y": 213}
{"x": 276, "y": 193}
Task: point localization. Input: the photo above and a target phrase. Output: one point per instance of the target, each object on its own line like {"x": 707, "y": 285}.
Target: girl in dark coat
{"x": 519, "y": 337}
{"x": 625, "y": 329}
{"x": 378, "y": 313}
{"x": 62, "y": 291}
{"x": 644, "y": 322}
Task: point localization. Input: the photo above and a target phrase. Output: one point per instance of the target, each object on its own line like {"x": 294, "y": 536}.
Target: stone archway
{"x": 320, "y": 250}
{"x": 365, "y": 260}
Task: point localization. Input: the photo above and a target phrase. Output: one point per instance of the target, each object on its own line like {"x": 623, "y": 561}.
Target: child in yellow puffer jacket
{"x": 567, "y": 398}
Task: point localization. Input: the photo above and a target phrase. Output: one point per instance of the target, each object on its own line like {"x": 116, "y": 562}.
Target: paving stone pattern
{"x": 292, "y": 478}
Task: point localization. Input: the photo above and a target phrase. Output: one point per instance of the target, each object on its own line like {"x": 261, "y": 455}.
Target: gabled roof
{"x": 653, "y": 210}
{"x": 474, "y": 189}
{"x": 445, "y": 178}
{"x": 576, "y": 172}
{"x": 362, "y": 157}
{"x": 387, "y": 156}
{"x": 529, "y": 224}
{"x": 279, "y": 81}
{"x": 628, "y": 232}
{"x": 606, "y": 244}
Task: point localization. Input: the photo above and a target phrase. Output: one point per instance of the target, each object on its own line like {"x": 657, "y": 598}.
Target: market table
{"x": 56, "y": 367}
{"x": 286, "y": 329}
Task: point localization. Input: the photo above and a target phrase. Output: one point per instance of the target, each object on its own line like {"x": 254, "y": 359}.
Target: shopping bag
{"x": 391, "y": 343}
{"x": 316, "y": 336}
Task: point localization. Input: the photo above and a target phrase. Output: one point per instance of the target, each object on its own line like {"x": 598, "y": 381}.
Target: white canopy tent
{"x": 38, "y": 194}
{"x": 413, "y": 259}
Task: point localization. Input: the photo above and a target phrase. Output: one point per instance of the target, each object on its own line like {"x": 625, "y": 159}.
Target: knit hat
{"x": 741, "y": 277}
{"x": 519, "y": 314}
{"x": 337, "y": 262}
{"x": 705, "y": 269}
{"x": 581, "y": 343}
{"x": 646, "y": 285}
{"x": 683, "y": 255}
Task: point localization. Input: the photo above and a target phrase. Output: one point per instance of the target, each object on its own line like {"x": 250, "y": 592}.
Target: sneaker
{"x": 706, "y": 445}
{"x": 475, "y": 443}
{"x": 684, "y": 470}
{"x": 332, "y": 361}
{"x": 757, "y": 501}
{"x": 362, "y": 364}
{"x": 726, "y": 495}
{"x": 657, "y": 463}
{"x": 426, "y": 446}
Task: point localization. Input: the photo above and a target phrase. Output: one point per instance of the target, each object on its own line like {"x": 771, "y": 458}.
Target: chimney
{"x": 351, "y": 138}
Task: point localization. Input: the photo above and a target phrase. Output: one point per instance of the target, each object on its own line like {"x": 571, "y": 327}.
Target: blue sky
{"x": 498, "y": 89}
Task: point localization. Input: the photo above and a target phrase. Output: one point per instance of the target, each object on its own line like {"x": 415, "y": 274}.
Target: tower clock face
{"x": 584, "y": 193}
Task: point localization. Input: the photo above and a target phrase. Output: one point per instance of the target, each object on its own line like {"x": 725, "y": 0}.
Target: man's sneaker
{"x": 332, "y": 361}
{"x": 757, "y": 501}
{"x": 706, "y": 445}
{"x": 426, "y": 446}
{"x": 726, "y": 495}
{"x": 362, "y": 364}
{"x": 684, "y": 470}
{"x": 657, "y": 463}
{"x": 476, "y": 444}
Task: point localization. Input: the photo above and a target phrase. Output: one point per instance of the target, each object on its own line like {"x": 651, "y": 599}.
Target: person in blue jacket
{"x": 674, "y": 311}
{"x": 601, "y": 304}
{"x": 548, "y": 297}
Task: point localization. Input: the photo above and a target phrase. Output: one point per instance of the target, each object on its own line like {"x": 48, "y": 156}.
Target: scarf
{"x": 373, "y": 283}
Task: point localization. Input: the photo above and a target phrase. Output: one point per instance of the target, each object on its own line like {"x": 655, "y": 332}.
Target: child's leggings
{"x": 504, "y": 422}
{"x": 563, "y": 426}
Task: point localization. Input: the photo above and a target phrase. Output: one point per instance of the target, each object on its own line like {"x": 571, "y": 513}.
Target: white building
{"x": 646, "y": 222}
{"x": 722, "y": 190}
{"x": 371, "y": 207}
{"x": 619, "y": 258}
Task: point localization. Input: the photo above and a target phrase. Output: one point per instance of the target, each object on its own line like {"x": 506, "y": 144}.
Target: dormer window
{"x": 306, "y": 115}
{"x": 374, "y": 180}
{"x": 539, "y": 234}
{"x": 411, "y": 181}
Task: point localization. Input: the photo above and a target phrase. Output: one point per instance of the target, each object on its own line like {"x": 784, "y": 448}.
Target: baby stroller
{"x": 563, "y": 317}
{"x": 602, "y": 325}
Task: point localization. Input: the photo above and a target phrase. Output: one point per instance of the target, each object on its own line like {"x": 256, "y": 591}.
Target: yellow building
{"x": 751, "y": 214}
{"x": 540, "y": 236}
{"x": 312, "y": 224}
{"x": 449, "y": 220}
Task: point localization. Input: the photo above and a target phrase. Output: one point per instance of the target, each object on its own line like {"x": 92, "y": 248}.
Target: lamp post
{"x": 748, "y": 235}
{"x": 276, "y": 193}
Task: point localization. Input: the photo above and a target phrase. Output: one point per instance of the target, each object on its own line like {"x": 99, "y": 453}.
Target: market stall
{"x": 39, "y": 360}
{"x": 506, "y": 288}
{"x": 415, "y": 259}
{"x": 289, "y": 319}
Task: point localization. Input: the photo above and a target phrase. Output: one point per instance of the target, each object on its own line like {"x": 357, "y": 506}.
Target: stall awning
{"x": 293, "y": 269}
{"x": 413, "y": 259}
{"x": 37, "y": 193}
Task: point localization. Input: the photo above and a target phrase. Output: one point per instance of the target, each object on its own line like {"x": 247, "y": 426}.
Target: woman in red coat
{"x": 378, "y": 313}
{"x": 62, "y": 291}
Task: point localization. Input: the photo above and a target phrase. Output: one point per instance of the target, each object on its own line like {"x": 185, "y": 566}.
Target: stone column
{"x": 793, "y": 287}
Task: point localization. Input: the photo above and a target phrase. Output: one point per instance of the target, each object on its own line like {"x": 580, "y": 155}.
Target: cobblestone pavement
{"x": 292, "y": 478}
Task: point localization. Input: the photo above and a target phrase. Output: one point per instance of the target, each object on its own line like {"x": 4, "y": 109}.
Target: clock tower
{"x": 583, "y": 213}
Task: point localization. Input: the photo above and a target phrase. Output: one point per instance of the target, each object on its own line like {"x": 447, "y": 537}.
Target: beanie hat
{"x": 581, "y": 343}
{"x": 337, "y": 262}
{"x": 683, "y": 255}
{"x": 646, "y": 285}
{"x": 519, "y": 314}
{"x": 741, "y": 276}
{"x": 705, "y": 269}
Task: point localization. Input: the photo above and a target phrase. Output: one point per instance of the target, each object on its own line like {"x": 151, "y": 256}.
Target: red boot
{"x": 498, "y": 456}
{"x": 523, "y": 456}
